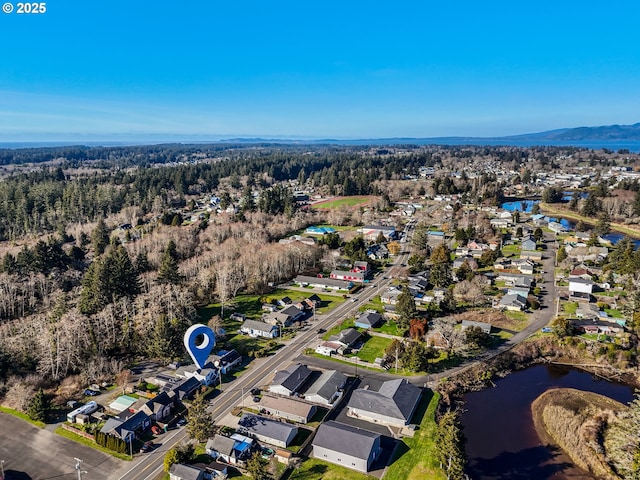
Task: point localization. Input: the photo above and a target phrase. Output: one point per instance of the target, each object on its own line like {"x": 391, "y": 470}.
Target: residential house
{"x": 513, "y": 302}
{"x": 225, "y": 360}
{"x": 159, "y": 407}
{"x": 182, "y": 389}
{"x": 556, "y": 227}
{"x": 580, "y": 285}
{"x": 368, "y": 320}
{"x": 208, "y": 375}
{"x": 278, "y": 318}
{"x": 345, "y": 445}
{"x": 500, "y": 223}
{"x": 522, "y": 291}
{"x": 294, "y": 312}
{"x": 328, "y": 348}
{"x": 378, "y": 252}
{"x": 597, "y": 327}
{"x": 361, "y": 266}
{"x": 288, "y": 408}
{"x": 327, "y": 389}
{"x": 290, "y": 381}
{"x": 267, "y": 430}
{"x": 390, "y": 297}
{"x": 284, "y": 301}
{"x": 394, "y": 404}
{"x": 347, "y": 338}
{"x": 254, "y": 328}
{"x": 235, "y": 449}
{"x": 127, "y": 427}
{"x": 529, "y": 243}
{"x": 180, "y": 471}
{"x": 525, "y": 266}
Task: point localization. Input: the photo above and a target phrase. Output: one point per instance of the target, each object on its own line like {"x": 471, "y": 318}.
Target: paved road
{"x": 33, "y": 453}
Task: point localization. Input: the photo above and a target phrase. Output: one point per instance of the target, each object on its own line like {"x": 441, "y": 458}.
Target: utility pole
{"x": 79, "y": 468}
{"x": 396, "y": 359}
{"x": 1, "y": 469}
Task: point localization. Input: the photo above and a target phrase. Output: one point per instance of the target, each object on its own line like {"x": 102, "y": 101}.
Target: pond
{"x": 501, "y": 440}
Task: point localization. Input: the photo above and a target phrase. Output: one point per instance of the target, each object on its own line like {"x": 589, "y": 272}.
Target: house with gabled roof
{"x": 342, "y": 444}
{"x": 254, "y": 328}
{"x": 235, "y": 449}
{"x": 126, "y": 426}
{"x": 327, "y": 388}
{"x": 159, "y": 407}
{"x": 290, "y": 381}
{"x": 394, "y": 404}
{"x": 267, "y": 430}
{"x": 513, "y": 302}
{"x": 347, "y": 337}
{"x": 288, "y": 408}
{"x": 369, "y": 320}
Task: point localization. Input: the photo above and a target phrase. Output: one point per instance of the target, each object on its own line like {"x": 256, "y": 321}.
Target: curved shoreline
{"x": 573, "y": 420}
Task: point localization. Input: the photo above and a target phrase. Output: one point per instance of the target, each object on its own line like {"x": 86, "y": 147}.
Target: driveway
{"x": 33, "y": 453}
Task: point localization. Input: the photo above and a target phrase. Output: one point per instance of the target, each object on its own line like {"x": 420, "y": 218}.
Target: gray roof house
{"x": 127, "y": 428}
{"x": 289, "y": 381}
{"x": 180, "y": 471}
{"x": 393, "y": 404}
{"x": 347, "y": 337}
{"x": 528, "y": 243}
{"x": 368, "y": 320}
{"x": 234, "y": 449}
{"x": 288, "y": 408}
{"x": 267, "y": 430}
{"x": 513, "y": 302}
{"x": 485, "y": 327}
{"x": 159, "y": 407}
{"x": 345, "y": 445}
{"x": 326, "y": 389}
{"x": 253, "y": 328}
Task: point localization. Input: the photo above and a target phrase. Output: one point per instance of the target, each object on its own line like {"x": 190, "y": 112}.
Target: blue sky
{"x": 345, "y": 69}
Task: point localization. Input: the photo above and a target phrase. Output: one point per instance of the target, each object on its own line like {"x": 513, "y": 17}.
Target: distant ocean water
{"x": 632, "y": 146}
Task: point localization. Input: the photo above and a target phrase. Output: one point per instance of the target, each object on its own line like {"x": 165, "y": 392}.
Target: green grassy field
{"x": 314, "y": 469}
{"x": 570, "y": 307}
{"x": 374, "y": 348}
{"x": 251, "y": 305}
{"x": 90, "y": 443}
{"x": 343, "y": 202}
{"x": 414, "y": 459}
{"x": 389, "y": 327}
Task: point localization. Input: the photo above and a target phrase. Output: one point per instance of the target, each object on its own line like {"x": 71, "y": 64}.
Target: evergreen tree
{"x": 200, "y": 423}
{"x": 100, "y": 237}
{"x": 159, "y": 342}
{"x": 562, "y": 254}
{"x": 124, "y": 279}
{"x": 449, "y": 442}
{"x": 603, "y": 226}
{"x": 168, "y": 271}
{"x": 257, "y": 468}
{"x": 406, "y": 308}
{"x": 39, "y": 406}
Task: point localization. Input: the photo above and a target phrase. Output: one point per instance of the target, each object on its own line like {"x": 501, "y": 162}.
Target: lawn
{"x": 570, "y": 307}
{"x": 251, "y": 305}
{"x": 510, "y": 250}
{"x": 414, "y": 459}
{"x": 374, "y": 348}
{"x": 389, "y": 327}
{"x": 343, "y": 202}
{"x": 314, "y": 469}
{"x": 518, "y": 317}
{"x": 613, "y": 313}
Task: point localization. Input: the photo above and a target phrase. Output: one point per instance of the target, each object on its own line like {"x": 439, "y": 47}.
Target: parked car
{"x": 147, "y": 447}
{"x": 256, "y": 399}
{"x": 181, "y": 422}
{"x": 255, "y": 391}
{"x": 91, "y": 393}
{"x": 156, "y": 430}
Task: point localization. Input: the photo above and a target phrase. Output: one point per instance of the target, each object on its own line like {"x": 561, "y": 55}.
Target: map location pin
{"x": 199, "y": 353}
